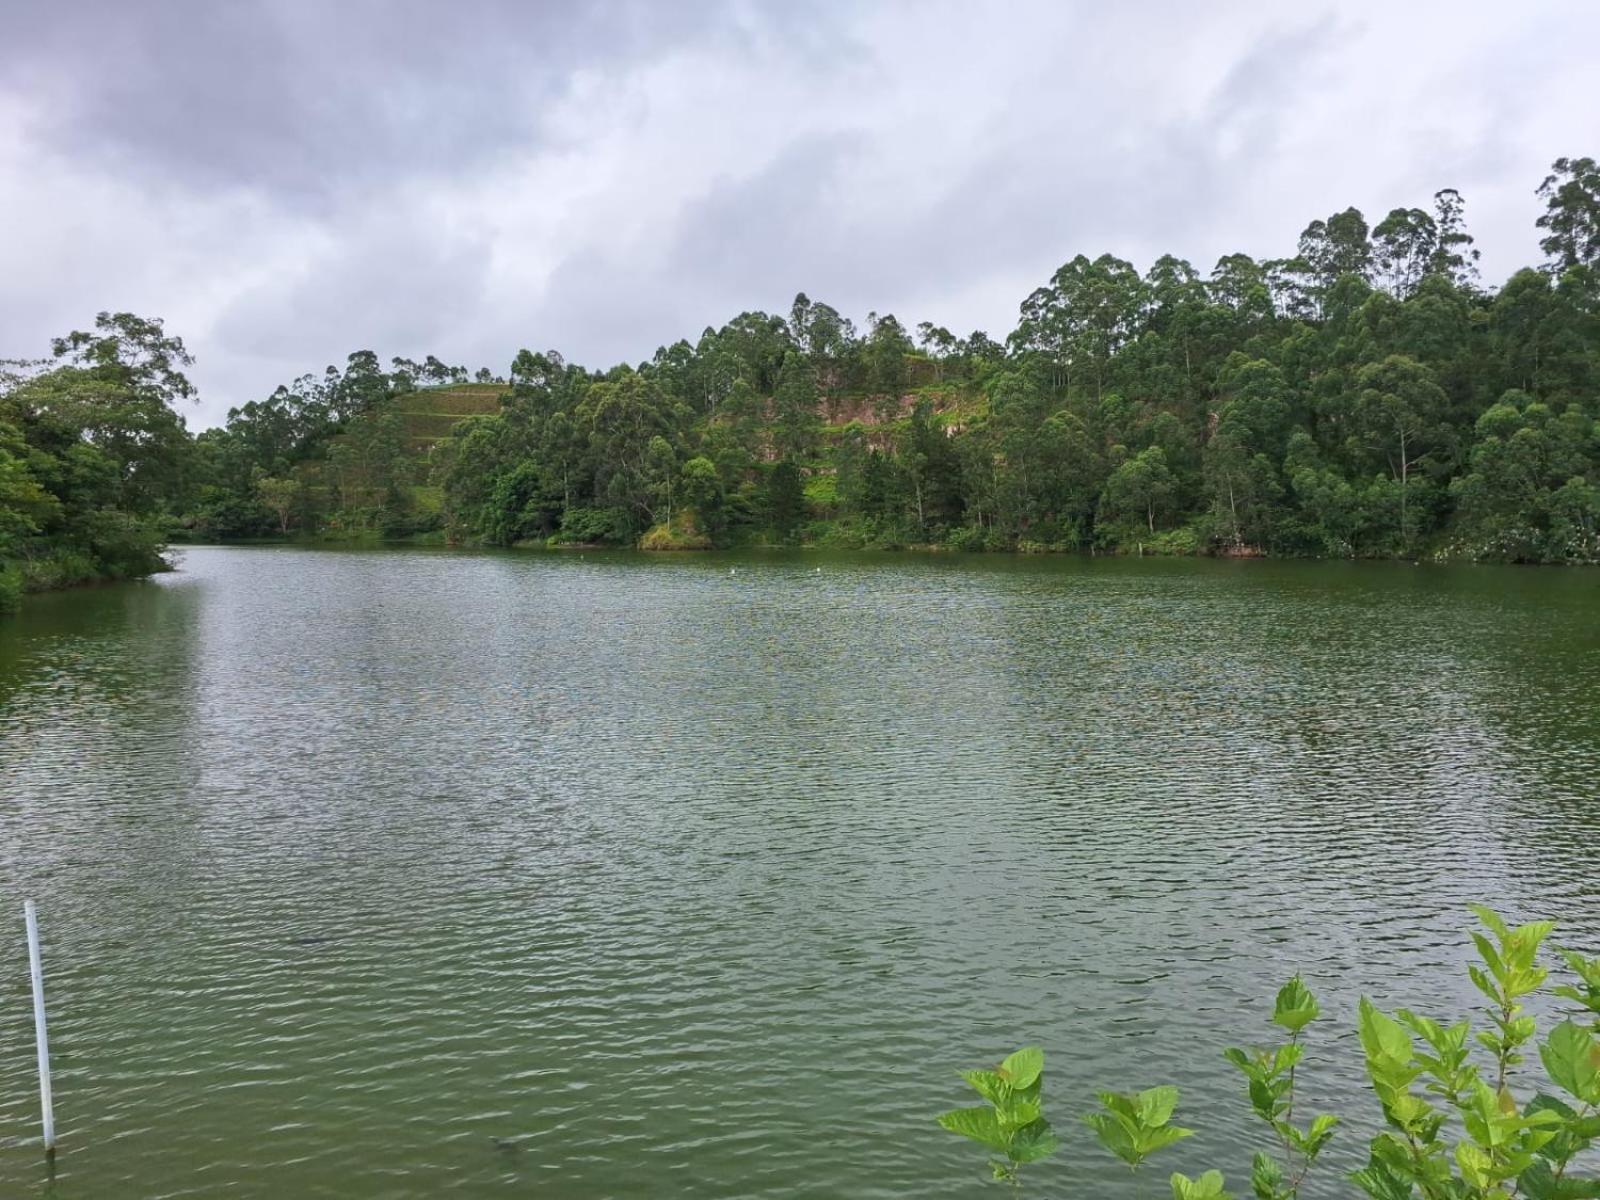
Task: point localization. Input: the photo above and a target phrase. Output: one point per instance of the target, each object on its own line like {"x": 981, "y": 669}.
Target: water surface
{"x": 404, "y": 874}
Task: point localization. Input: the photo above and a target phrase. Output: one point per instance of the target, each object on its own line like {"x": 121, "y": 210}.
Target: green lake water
{"x": 409, "y": 873}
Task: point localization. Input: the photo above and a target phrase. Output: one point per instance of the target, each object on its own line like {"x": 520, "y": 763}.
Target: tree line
{"x": 1366, "y": 395}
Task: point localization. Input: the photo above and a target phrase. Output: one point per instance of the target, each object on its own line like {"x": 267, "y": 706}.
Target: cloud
{"x": 286, "y": 181}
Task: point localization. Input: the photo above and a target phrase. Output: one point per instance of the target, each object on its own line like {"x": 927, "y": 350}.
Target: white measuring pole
{"x": 37, "y": 971}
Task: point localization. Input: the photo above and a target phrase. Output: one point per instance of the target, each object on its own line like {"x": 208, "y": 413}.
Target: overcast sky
{"x": 285, "y": 182}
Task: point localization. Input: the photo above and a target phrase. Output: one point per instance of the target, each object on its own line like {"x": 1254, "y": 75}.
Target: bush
{"x": 684, "y": 537}
{"x": 10, "y": 588}
{"x": 60, "y": 569}
{"x": 1453, "y": 1129}
{"x": 590, "y": 525}
{"x": 122, "y": 546}
{"x": 968, "y": 537}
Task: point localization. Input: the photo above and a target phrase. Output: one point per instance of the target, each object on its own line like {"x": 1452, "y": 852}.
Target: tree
{"x": 662, "y": 466}
{"x": 938, "y": 343}
{"x": 785, "y": 500}
{"x": 1405, "y": 244}
{"x": 1399, "y": 408}
{"x": 1454, "y": 256}
{"x": 1141, "y": 487}
{"x": 932, "y": 468}
{"x": 133, "y": 352}
{"x": 1571, "y": 193}
{"x": 621, "y": 417}
{"x": 702, "y": 491}
{"x": 280, "y": 496}
{"x": 1330, "y": 250}
{"x": 885, "y": 356}
{"x": 796, "y": 424}
{"x": 1082, "y": 318}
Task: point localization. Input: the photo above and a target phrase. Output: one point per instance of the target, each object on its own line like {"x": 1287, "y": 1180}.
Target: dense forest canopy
{"x": 1365, "y": 396}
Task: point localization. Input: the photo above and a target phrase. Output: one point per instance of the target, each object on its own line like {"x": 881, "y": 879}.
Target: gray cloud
{"x": 288, "y": 180}
{"x": 304, "y": 98}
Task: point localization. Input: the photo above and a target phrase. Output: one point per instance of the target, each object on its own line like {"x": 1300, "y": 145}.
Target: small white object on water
{"x": 36, "y": 971}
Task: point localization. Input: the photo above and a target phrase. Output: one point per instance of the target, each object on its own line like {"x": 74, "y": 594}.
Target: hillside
{"x": 429, "y": 414}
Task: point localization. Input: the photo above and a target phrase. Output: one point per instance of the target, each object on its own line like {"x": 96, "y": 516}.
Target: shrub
{"x": 582, "y": 525}
{"x": 685, "y": 537}
{"x": 62, "y": 568}
{"x": 1454, "y": 1129}
{"x": 10, "y": 588}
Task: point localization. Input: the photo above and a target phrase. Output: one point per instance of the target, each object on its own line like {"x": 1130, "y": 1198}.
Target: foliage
{"x": 1010, "y": 1122}
{"x": 1458, "y": 1122}
{"x": 1271, "y": 1077}
{"x": 1135, "y": 1126}
{"x": 1365, "y": 395}
{"x": 92, "y": 456}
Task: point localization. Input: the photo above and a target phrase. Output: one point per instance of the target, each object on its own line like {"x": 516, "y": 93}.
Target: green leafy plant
{"x": 1509, "y": 1149}
{"x": 1587, "y": 991}
{"x": 1270, "y": 1074}
{"x": 1011, "y": 1123}
{"x": 1208, "y": 1187}
{"x": 1135, "y": 1126}
{"x": 1454, "y": 1129}
{"x": 1510, "y": 971}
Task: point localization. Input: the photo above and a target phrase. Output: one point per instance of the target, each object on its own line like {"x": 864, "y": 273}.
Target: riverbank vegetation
{"x": 1452, "y": 1128}
{"x": 1366, "y": 395}
{"x": 94, "y": 459}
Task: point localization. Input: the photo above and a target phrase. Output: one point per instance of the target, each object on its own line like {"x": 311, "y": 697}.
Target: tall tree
{"x": 1571, "y": 220}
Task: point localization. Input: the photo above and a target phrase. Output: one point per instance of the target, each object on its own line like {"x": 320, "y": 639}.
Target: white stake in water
{"x": 37, "y": 971}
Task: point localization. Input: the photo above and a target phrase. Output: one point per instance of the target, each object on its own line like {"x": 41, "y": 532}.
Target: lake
{"x": 414, "y": 873}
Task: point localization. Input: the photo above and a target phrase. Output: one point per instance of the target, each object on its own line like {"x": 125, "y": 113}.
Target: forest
{"x": 1367, "y": 396}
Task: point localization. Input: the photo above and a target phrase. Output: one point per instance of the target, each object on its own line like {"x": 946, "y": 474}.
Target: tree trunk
{"x": 1405, "y": 466}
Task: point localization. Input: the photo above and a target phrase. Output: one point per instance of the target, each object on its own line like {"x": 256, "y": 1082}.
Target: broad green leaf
{"x": 1263, "y": 1099}
{"x": 1571, "y": 1057}
{"x": 988, "y": 1084}
{"x": 1378, "y": 1183}
{"x": 1477, "y": 1168}
{"x": 1296, "y": 1007}
{"x": 1381, "y": 1036}
{"x": 1162, "y": 1137}
{"x": 1265, "y": 1175}
{"x": 979, "y": 1124}
{"x": 1017, "y": 1114}
{"x": 1122, "y": 1105}
{"x": 1033, "y": 1142}
{"x": 1114, "y": 1136}
{"x": 1023, "y": 1067}
{"x": 1539, "y": 1182}
{"x": 1208, "y": 1187}
{"x": 1156, "y": 1104}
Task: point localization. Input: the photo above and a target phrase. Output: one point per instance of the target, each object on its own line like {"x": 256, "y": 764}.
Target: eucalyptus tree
{"x": 1400, "y": 410}
{"x": 1571, "y": 219}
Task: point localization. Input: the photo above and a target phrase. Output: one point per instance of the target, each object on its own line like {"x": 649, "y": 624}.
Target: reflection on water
{"x": 400, "y": 874}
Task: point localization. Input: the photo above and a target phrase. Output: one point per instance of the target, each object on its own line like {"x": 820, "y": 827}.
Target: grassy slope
{"x": 431, "y": 413}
